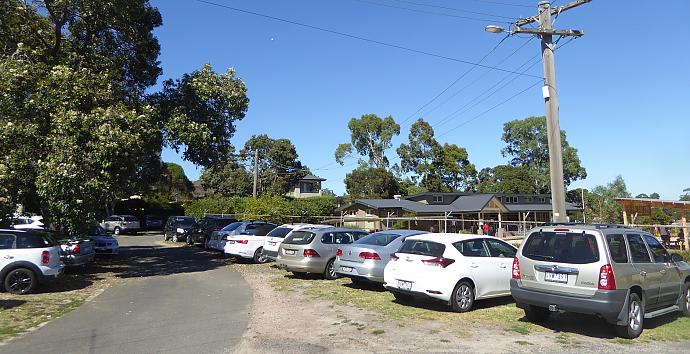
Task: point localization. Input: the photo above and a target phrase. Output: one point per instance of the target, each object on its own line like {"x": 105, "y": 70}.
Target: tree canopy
{"x": 370, "y": 137}
{"x": 279, "y": 167}
{"x": 371, "y": 182}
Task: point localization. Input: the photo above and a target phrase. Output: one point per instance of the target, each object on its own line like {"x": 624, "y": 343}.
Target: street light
{"x": 494, "y": 29}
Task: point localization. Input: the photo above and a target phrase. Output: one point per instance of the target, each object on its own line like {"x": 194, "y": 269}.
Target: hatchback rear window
{"x": 130, "y": 218}
{"x": 300, "y": 238}
{"x": 280, "y": 232}
{"x": 422, "y": 247}
{"x": 377, "y": 239}
{"x": 35, "y": 241}
{"x": 562, "y": 247}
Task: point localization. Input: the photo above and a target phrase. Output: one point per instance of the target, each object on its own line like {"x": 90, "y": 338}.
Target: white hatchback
{"x": 274, "y": 238}
{"x": 455, "y": 268}
{"x": 249, "y": 243}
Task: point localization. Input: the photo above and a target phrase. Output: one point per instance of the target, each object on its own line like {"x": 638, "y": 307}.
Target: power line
{"x": 476, "y": 79}
{"x": 454, "y": 82}
{"x": 503, "y": 3}
{"x": 453, "y": 9}
{"x": 343, "y": 34}
{"x": 430, "y": 12}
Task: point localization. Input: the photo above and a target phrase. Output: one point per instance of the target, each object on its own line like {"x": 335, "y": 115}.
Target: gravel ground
{"x": 292, "y": 322}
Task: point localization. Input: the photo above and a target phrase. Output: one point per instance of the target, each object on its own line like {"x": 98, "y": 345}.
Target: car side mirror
{"x": 675, "y": 257}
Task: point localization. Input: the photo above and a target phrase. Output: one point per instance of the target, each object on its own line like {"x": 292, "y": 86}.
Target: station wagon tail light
{"x": 606, "y": 279}
{"x": 244, "y": 242}
{"x": 45, "y": 257}
{"x": 76, "y": 249}
{"x": 439, "y": 262}
{"x": 394, "y": 257}
{"x": 311, "y": 253}
{"x": 339, "y": 253}
{"x": 369, "y": 255}
{"x": 516, "y": 268}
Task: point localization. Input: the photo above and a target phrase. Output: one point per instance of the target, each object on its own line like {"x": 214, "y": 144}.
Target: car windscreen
{"x": 130, "y": 218}
{"x": 562, "y": 247}
{"x": 422, "y": 247}
{"x": 300, "y": 238}
{"x": 279, "y": 232}
{"x": 377, "y": 239}
{"x": 231, "y": 227}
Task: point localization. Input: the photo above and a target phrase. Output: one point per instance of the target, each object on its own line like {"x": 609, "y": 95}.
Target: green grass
{"x": 524, "y": 330}
{"x": 378, "y": 332}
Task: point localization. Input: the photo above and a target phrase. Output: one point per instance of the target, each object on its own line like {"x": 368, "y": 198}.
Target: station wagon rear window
{"x": 232, "y": 226}
{"x": 130, "y": 218}
{"x": 279, "y": 232}
{"x": 300, "y": 238}
{"x": 377, "y": 239}
{"x": 424, "y": 248}
{"x": 562, "y": 247}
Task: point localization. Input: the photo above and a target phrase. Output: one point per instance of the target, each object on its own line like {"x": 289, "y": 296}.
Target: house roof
{"x": 311, "y": 177}
{"x": 472, "y": 202}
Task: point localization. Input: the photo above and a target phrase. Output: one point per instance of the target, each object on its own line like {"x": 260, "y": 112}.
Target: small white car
{"x": 274, "y": 238}
{"x": 27, "y": 258}
{"x": 249, "y": 243}
{"x": 28, "y": 223}
{"x": 454, "y": 268}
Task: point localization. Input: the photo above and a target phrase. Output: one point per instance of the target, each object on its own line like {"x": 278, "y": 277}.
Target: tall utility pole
{"x": 550, "y": 93}
{"x": 256, "y": 170}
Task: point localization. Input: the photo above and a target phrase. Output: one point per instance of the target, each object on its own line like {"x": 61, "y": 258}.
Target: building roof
{"x": 311, "y": 177}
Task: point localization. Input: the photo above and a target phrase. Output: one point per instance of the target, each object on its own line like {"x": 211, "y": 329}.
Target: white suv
{"x": 274, "y": 238}
{"x": 27, "y": 258}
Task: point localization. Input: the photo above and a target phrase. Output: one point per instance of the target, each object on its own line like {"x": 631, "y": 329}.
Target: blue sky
{"x": 624, "y": 98}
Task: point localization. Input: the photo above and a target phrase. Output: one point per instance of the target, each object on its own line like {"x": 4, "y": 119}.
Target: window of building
{"x": 309, "y": 187}
{"x": 529, "y": 199}
{"x": 511, "y": 200}
{"x": 438, "y": 199}
{"x": 542, "y": 200}
{"x": 370, "y": 211}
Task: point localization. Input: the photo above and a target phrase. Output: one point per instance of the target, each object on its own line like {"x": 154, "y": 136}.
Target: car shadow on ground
{"x": 368, "y": 286}
{"x": 8, "y": 304}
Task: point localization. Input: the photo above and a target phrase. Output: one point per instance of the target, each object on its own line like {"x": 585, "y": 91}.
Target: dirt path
{"x": 290, "y": 321}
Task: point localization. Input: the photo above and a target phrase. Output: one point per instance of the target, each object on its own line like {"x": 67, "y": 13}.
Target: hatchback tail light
{"x": 516, "y": 268}
{"x": 606, "y": 279}
{"x": 76, "y": 249}
{"x": 339, "y": 253}
{"x": 369, "y": 255}
{"x": 244, "y": 242}
{"x": 439, "y": 262}
{"x": 311, "y": 253}
{"x": 394, "y": 257}
{"x": 45, "y": 257}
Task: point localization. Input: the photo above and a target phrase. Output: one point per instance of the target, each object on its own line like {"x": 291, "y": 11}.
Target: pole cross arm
{"x": 552, "y": 32}
{"x": 554, "y": 11}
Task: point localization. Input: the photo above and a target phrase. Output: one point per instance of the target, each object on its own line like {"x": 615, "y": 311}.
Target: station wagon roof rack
{"x": 598, "y": 226}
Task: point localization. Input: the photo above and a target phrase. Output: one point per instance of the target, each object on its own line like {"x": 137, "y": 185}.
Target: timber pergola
{"x": 643, "y": 207}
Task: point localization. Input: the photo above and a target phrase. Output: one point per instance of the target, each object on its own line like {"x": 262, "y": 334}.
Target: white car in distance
{"x": 249, "y": 243}
{"x": 454, "y": 268}
{"x": 274, "y": 238}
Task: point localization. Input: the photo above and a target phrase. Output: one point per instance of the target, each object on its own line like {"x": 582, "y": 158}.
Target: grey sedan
{"x": 364, "y": 260}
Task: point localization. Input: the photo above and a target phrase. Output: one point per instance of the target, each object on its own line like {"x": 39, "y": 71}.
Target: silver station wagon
{"x": 621, "y": 274}
{"x": 313, "y": 250}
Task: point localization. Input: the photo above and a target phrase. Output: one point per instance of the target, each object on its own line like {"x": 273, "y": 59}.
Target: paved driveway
{"x": 171, "y": 300}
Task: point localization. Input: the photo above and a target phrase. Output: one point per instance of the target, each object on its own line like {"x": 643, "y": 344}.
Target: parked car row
{"x": 30, "y": 257}
{"x": 620, "y": 274}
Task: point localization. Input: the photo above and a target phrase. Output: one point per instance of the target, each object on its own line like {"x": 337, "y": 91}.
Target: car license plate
{"x": 289, "y": 252}
{"x": 272, "y": 243}
{"x": 556, "y": 277}
{"x": 404, "y": 285}
{"x": 346, "y": 269}
{"x": 230, "y": 242}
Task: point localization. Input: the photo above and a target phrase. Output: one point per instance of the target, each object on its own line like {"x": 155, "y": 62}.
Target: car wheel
{"x": 686, "y": 298}
{"x": 463, "y": 297}
{"x": 20, "y": 281}
{"x": 402, "y": 298}
{"x": 536, "y": 313}
{"x": 116, "y": 230}
{"x": 330, "y": 273}
{"x": 259, "y": 256}
{"x": 634, "y": 327}
{"x": 174, "y": 238}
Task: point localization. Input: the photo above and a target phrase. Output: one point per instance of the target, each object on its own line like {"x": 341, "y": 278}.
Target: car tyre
{"x": 537, "y": 314}
{"x": 686, "y": 300}
{"x": 634, "y": 327}
{"x": 259, "y": 256}
{"x": 402, "y": 298}
{"x": 330, "y": 273}
{"x": 463, "y": 297}
{"x": 20, "y": 281}
{"x": 117, "y": 230}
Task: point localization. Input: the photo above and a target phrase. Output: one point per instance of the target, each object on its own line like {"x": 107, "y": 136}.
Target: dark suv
{"x": 207, "y": 225}
{"x": 179, "y": 228}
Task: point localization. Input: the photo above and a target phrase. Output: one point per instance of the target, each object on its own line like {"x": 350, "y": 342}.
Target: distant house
{"x": 307, "y": 186}
{"x": 453, "y": 212}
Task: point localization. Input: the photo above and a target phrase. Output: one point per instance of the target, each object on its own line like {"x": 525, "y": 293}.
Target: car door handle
{"x": 503, "y": 265}
{"x": 643, "y": 273}
{"x": 473, "y": 266}
{"x": 9, "y": 257}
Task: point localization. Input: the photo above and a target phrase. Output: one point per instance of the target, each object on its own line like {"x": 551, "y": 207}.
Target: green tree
{"x": 227, "y": 179}
{"x": 278, "y": 165}
{"x": 370, "y": 182}
{"x": 686, "y": 195}
{"x": 370, "y": 137}
{"x": 505, "y": 179}
{"x": 172, "y": 184}
{"x": 527, "y": 145}
{"x": 601, "y": 205}
{"x": 436, "y": 167}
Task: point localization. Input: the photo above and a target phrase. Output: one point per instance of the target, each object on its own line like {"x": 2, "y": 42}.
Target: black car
{"x": 179, "y": 228}
{"x": 207, "y": 225}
